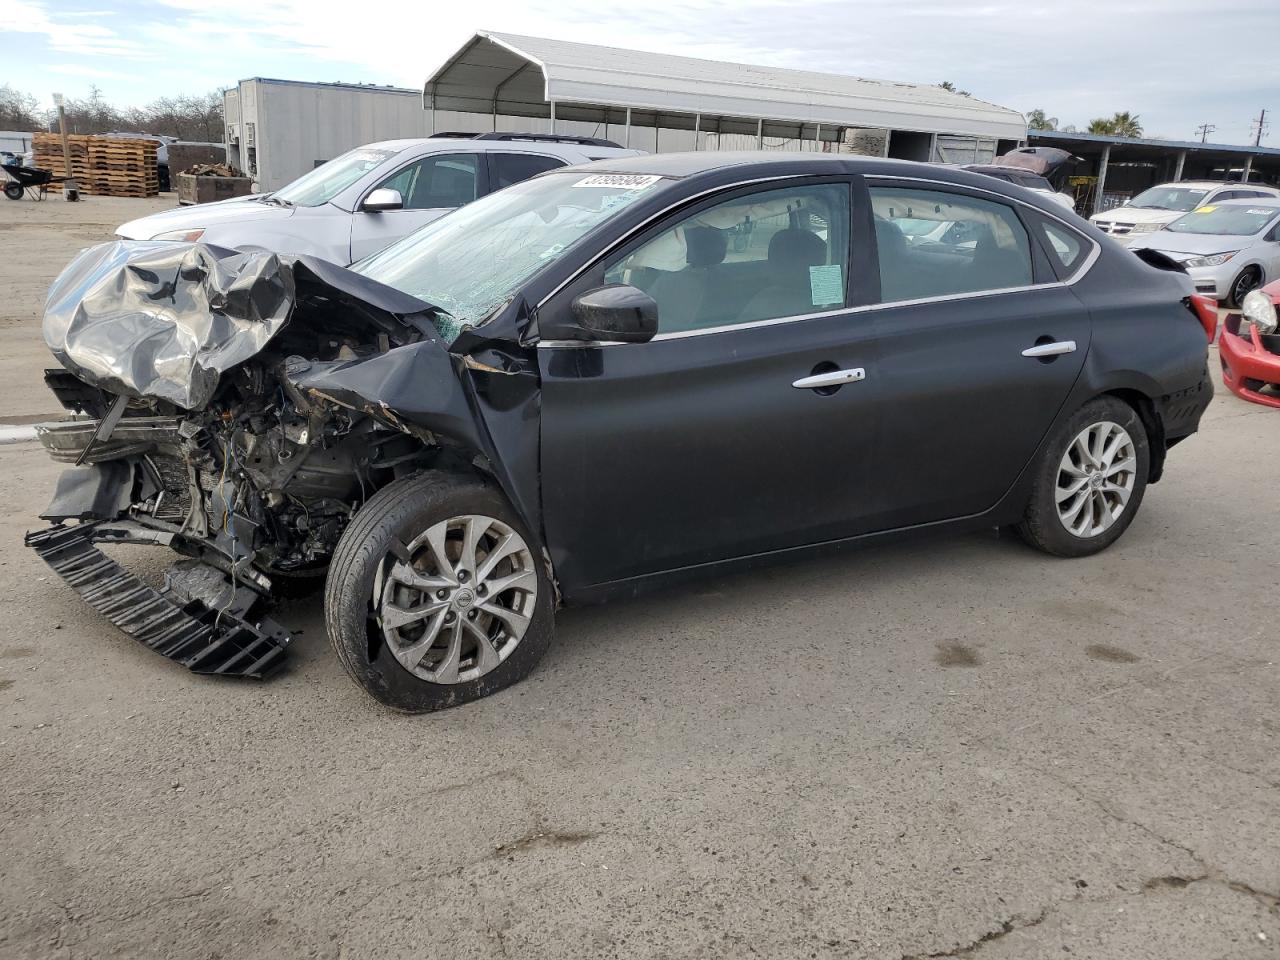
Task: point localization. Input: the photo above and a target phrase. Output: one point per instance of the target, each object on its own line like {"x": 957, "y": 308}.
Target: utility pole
{"x": 1261, "y": 125}
{"x": 70, "y": 189}
{"x": 1204, "y": 130}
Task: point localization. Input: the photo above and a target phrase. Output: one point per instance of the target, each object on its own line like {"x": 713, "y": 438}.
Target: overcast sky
{"x": 1176, "y": 63}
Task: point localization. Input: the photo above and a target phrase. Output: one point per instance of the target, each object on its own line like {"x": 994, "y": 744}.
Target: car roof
{"x": 755, "y": 164}
{"x": 1210, "y": 184}
{"x": 438, "y": 144}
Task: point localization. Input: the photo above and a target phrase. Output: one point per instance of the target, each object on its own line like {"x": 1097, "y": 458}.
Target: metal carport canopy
{"x": 511, "y": 75}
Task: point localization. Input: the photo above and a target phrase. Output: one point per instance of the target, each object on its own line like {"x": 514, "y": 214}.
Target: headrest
{"x": 794, "y": 248}
{"x": 704, "y": 246}
{"x": 889, "y": 236}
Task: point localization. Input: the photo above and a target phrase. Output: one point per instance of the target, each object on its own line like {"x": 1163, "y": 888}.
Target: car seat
{"x": 792, "y": 251}
{"x": 685, "y": 296}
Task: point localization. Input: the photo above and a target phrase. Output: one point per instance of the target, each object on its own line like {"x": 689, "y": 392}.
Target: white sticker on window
{"x": 627, "y": 181}
{"x": 826, "y": 284}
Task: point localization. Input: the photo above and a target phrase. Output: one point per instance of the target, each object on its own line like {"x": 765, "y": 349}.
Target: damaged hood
{"x": 166, "y": 320}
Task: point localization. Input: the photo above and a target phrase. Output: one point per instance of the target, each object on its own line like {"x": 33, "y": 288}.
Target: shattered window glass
{"x": 473, "y": 260}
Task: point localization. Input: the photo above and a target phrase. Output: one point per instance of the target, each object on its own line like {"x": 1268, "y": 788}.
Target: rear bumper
{"x": 1247, "y": 364}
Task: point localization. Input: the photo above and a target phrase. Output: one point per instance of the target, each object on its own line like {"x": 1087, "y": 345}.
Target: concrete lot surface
{"x": 958, "y": 748}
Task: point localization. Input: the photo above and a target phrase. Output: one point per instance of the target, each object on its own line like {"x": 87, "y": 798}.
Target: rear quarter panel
{"x": 1144, "y": 336}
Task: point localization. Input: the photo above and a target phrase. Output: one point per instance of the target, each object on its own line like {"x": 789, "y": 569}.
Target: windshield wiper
{"x": 278, "y": 201}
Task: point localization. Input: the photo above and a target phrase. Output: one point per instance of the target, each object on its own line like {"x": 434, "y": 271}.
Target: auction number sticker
{"x": 627, "y": 181}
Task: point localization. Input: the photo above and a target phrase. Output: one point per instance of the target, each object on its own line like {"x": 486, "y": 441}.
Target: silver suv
{"x": 370, "y": 197}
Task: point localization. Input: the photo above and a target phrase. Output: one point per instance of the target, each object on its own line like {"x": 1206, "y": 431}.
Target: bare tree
{"x": 185, "y": 116}
{"x": 18, "y": 110}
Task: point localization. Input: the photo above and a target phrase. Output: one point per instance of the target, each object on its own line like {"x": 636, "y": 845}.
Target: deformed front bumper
{"x": 1249, "y": 362}
{"x": 196, "y": 619}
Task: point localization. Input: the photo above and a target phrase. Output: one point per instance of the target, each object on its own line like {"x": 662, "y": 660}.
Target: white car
{"x": 1228, "y": 248}
{"x": 1156, "y": 207}
{"x": 370, "y": 197}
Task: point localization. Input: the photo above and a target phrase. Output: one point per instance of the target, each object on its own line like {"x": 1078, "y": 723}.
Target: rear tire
{"x": 1089, "y": 480}
{"x": 387, "y": 566}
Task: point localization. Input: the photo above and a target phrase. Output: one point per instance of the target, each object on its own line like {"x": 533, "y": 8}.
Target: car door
{"x": 429, "y": 187}
{"x": 710, "y": 441}
{"x": 978, "y": 348}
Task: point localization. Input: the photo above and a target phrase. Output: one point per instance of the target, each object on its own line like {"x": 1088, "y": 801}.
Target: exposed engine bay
{"x": 239, "y": 408}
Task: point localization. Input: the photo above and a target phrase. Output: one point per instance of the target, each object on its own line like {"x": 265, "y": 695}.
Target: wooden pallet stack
{"x": 103, "y": 166}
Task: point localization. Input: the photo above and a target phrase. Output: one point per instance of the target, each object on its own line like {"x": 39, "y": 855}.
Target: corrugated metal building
{"x": 660, "y": 102}
{"x": 277, "y": 130}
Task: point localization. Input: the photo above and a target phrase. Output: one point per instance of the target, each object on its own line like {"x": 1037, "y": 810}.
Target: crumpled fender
{"x": 479, "y": 392}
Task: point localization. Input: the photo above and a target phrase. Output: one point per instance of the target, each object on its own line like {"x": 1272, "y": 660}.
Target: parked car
{"x": 1228, "y": 248}
{"x": 1158, "y": 206}
{"x": 1024, "y": 178}
{"x": 370, "y": 197}
{"x": 592, "y": 383}
{"x": 1249, "y": 347}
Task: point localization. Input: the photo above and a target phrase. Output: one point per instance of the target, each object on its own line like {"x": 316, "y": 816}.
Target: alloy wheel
{"x": 1244, "y": 283}
{"x": 455, "y": 603}
{"x": 1096, "y": 478}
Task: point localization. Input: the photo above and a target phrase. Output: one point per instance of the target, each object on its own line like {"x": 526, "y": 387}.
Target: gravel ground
{"x": 948, "y": 749}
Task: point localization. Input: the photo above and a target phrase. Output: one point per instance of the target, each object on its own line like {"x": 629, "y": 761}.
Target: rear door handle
{"x": 1050, "y": 349}
{"x": 832, "y": 378}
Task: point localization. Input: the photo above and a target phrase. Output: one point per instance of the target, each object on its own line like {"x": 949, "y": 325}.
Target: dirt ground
{"x": 958, "y": 748}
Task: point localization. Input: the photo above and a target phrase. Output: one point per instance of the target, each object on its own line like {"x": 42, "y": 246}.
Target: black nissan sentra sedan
{"x": 600, "y": 380}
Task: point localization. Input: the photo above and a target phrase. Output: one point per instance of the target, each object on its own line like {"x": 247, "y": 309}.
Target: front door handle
{"x": 1041, "y": 350}
{"x": 832, "y": 378}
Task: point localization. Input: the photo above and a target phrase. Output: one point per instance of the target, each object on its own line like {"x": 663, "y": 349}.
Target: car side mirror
{"x": 616, "y": 312}
{"x": 384, "y": 198}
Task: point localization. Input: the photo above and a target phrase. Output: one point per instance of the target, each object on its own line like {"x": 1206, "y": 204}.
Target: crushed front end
{"x": 1249, "y": 348}
{"x": 194, "y": 434}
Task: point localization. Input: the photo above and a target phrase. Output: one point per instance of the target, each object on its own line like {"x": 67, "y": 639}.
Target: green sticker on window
{"x": 826, "y": 285}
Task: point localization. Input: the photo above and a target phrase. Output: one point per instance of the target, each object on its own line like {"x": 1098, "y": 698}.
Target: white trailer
{"x": 277, "y": 130}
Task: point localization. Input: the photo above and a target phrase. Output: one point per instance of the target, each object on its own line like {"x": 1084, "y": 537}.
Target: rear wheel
{"x": 1250, "y": 279}
{"x": 13, "y": 190}
{"x": 1089, "y": 481}
{"x": 437, "y": 594}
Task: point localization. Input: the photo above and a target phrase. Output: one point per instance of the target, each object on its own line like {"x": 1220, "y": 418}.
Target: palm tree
{"x": 951, "y": 88}
{"x": 1127, "y": 125}
{"x": 1121, "y": 124}
{"x": 1036, "y": 120}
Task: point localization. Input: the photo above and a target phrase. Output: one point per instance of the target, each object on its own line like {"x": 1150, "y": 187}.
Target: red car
{"x": 1250, "y": 347}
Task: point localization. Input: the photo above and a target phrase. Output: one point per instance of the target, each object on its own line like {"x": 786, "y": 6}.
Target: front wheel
{"x": 1250, "y": 278}
{"x": 1089, "y": 481}
{"x": 13, "y": 190}
{"x": 437, "y": 594}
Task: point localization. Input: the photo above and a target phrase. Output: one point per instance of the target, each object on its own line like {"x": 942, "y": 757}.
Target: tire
{"x": 13, "y": 190}
{"x": 1250, "y": 278}
{"x": 1046, "y": 526}
{"x": 362, "y": 592}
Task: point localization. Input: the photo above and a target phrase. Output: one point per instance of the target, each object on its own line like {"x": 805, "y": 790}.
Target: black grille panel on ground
{"x": 190, "y": 633}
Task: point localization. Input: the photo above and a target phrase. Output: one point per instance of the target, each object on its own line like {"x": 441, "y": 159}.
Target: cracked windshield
{"x": 471, "y": 261}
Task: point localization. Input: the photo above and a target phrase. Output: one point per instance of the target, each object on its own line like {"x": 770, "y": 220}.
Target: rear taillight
{"x": 1206, "y": 311}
